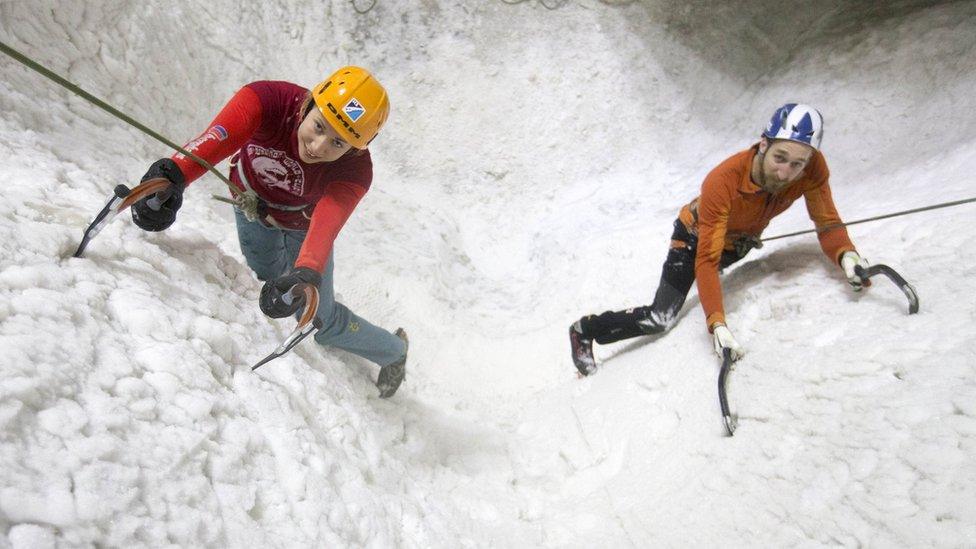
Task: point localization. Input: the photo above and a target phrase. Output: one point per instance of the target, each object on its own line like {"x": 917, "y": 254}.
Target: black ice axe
{"x": 731, "y": 422}
{"x": 867, "y": 272}
{"x": 308, "y": 323}
{"x": 123, "y": 197}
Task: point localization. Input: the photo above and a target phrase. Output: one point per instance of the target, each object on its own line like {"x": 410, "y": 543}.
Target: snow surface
{"x": 530, "y": 173}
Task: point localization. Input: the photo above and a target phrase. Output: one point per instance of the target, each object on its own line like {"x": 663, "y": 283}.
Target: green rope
{"x": 875, "y": 218}
{"x": 30, "y": 63}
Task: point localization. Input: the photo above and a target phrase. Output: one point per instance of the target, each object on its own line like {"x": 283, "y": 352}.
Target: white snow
{"x": 532, "y": 167}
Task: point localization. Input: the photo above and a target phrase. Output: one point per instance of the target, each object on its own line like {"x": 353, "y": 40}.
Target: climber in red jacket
{"x": 301, "y": 165}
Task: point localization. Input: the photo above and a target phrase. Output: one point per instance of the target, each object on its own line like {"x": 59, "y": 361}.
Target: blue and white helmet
{"x": 796, "y": 122}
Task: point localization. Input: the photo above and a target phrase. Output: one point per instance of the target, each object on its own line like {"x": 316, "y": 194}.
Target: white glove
{"x": 848, "y": 261}
{"x": 722, "y": 338}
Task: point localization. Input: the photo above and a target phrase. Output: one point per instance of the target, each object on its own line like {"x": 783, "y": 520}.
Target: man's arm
{"x": 713, "y": 216}
{"x": 833, "y": 237}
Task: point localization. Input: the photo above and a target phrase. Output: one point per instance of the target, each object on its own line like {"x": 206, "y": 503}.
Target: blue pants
{"x": 271, "y": 252}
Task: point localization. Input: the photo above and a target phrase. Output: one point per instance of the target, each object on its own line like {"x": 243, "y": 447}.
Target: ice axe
{"x": 308, "y": 323}
{"x": 731, "y": 421}
{"x": 867, "y": 272}
{"x": 123, "y": 197}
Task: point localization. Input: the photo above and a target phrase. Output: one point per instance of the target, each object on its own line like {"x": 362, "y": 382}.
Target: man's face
{"x": 784, "y": 163}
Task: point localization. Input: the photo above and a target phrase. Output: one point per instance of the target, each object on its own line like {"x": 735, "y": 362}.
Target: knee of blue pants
{"x": 266, "y": 262}
{"x": 335, "y": 318}
{"x": 264, "y": 249}
{"x": 344, "y": 330}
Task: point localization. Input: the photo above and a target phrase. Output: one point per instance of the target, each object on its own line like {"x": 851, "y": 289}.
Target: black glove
{"x": 272, "y": 293}
{"x": 157, "y": 212}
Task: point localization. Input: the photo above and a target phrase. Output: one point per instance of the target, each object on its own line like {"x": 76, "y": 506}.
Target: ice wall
{"x": 530, "y": 172}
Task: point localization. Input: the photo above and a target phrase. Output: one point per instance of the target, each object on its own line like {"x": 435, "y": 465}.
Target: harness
{"x": 250, "y": 204}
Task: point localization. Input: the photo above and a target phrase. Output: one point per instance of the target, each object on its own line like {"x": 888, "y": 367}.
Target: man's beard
{"x": 773, "y": 184}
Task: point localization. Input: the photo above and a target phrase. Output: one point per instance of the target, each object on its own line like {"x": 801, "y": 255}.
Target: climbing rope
{"x": 30, "y": 63}
{"x": 875, "y": 218}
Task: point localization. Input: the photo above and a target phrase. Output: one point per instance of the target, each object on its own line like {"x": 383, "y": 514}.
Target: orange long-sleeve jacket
{"x": 731, "y": 206}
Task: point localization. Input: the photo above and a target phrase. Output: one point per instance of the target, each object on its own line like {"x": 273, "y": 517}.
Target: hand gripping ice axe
{"x": 308, "y": 323}
{"x": 123, "y": 197}
{"x": 909, "y": 291}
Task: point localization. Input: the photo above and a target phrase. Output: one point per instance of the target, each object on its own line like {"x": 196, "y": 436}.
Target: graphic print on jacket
{"x": 276, "y": 170}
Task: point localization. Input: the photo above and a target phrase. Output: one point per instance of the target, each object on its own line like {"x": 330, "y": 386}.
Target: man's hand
{"x": 158, "y": 211}
{"x": 848, "y": 261}
{"x": 275, "y": 300}
{"x": 723, "y": 339}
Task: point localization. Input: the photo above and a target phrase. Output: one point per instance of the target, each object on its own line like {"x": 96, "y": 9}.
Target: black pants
{"x": 677, "y": 276}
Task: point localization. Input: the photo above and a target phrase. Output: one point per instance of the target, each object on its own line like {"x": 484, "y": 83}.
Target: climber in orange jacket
{"x": 738, "y": 199}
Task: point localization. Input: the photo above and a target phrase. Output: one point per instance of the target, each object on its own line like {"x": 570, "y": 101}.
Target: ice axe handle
{"x": 157, "y": 200}
{"x": 291, "y": 295}
{"x": 723, "y": 398}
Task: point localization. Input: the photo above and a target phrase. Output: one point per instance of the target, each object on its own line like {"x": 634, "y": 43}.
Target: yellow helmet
{"x": 354, "y": 103}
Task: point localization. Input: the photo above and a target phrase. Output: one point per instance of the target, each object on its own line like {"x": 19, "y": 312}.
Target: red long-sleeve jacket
{"x": 259, "y": 126}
